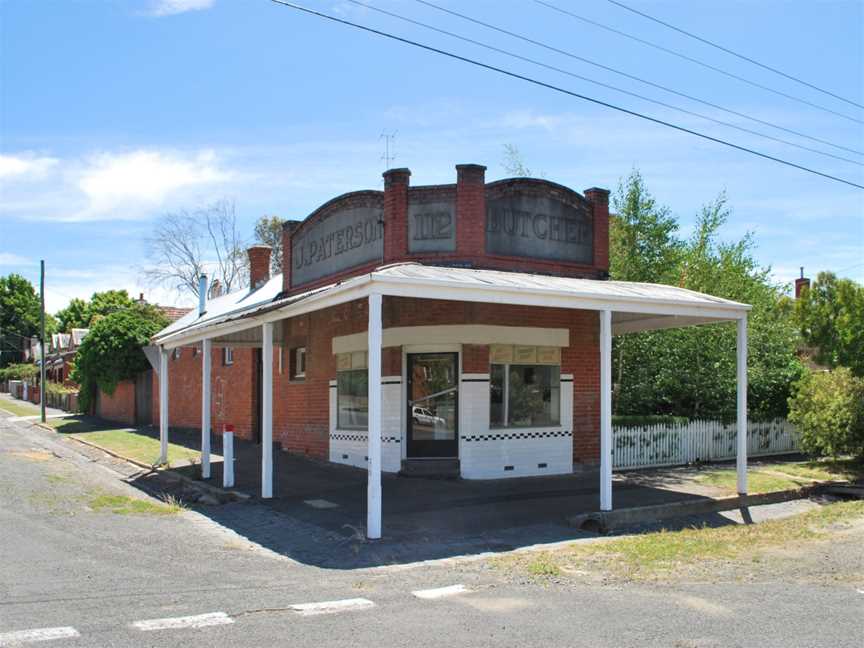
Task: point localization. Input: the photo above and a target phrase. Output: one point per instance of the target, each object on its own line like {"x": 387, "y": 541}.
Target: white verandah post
{"x": 606, "y": 410}
{"x": 206, "y": 348}
{"x": 163, "y": 405}
{"x": 267, "y": 410}
{"x": 741, "y": 454}
{"x": 373, "y": 495}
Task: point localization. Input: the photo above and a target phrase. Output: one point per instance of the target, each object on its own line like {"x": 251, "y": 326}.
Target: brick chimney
{"x": 471, "y": 209}
{"x": 396, "y": 182}
{"x": 288, "y": 228}
{"x": 259, "y": 265}
{"x": 599, "y": 199}
{"x": 801, "y": 283}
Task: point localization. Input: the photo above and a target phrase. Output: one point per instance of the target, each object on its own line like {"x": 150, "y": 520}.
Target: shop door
{"x": 433, "y": 405}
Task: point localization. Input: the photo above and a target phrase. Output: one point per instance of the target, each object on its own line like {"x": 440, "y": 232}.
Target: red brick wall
{"x": 301, "y": 408}
{"x": 119, "y": 406}
{"x": 469, "y": 196}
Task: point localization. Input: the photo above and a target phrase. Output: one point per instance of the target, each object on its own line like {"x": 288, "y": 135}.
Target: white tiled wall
{"x": 351, "y": 446}
{"x": 516, "y": 452}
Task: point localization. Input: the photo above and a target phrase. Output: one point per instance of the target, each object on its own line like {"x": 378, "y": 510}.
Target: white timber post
{"x": 605, "y": 410}
{"x": 373, "y": 495}
{"x": 206, "y": 347}
{"x": 267, "y": 410}
{"x": 163, "y": 405}
{"x": 741, "y": 455}
{"x": 228, "y": 457}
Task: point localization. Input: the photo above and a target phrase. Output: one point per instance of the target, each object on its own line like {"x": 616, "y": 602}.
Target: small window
{"x": 524, "y": 395}
{"x": 195, "y": 351}
{"x": 176, "y": 353}
{"x": 299, "y": 361}
{"x": 228, "y": 357}
{"x": 281, "y": 354}
{"x": 352, "y": 399}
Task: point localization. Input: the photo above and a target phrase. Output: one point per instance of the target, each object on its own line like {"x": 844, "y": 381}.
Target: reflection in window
{"x": 352, "y": 399}
{"x": 525, "y": 395}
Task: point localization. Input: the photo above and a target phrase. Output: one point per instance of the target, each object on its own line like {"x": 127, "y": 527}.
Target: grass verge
{"x": 770, "y": 477}
{"x": 124, "y": 505}
{"x": 654, "y": 554}
{"x": 139, "y": 447}
{"x": 18, "y": 408}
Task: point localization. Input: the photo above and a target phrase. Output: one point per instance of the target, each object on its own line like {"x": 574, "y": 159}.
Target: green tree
{"x": 75, "y": 315}
{"x": 828, "y": 411}
{"x": 690, "y": 371}
{"x": 112, "y": 351}
{"x": 268, "y": 230}
{"x": 19, "y": 316}
{"x": 831, "y": 316}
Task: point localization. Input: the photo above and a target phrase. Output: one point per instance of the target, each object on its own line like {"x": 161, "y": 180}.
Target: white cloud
{"x": 114, "y": 182}
{"x": 172, "y": 7}
{"x": 9, "y": 259}
{"x": 25, "y": 166}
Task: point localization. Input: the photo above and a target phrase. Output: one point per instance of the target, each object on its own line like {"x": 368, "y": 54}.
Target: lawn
{"x": 18, "y": 408}
{"x": 124, "y": 441}
{"x": 646, "y": 555}
{"x": 770, "y": 477}
{"x": 123, "y": 505}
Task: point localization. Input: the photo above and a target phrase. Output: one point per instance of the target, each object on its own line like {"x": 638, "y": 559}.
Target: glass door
{"x": 433, "y": 404}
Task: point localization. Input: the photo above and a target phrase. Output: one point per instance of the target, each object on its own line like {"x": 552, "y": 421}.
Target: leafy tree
{"x": 19, "y": 316}
{"x": 268, "y": 230}
{"x": 112, "y": 351}
{"x": 691, "y": 371}
{"x": 828, "y": 411}
{"x": 75, "y": 315}
{"x": 104, "y": 303}
{"x": 831, "y": 316}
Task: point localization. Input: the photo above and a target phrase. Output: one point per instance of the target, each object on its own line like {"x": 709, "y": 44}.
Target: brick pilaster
{"x": 396, "y": 183}
{"x": 470, "y": 209}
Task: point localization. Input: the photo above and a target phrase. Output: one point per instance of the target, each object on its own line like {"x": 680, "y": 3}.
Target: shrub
{"x": 636, "y": 420}
{"x": 828, "y": 411}
{"x": 19, "y": 372}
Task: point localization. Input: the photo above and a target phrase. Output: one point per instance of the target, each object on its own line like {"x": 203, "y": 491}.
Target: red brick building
{"x": 467, "y": 325}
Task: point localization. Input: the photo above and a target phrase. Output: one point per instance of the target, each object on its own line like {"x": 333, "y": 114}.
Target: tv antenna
{"x": 388, "y": 156}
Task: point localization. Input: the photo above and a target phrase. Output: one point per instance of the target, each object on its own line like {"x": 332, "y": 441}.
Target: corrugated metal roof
{"x": 245, "y": 303}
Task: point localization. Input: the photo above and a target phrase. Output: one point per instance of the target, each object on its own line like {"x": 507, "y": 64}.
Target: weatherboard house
{"x": 461, "y": 327}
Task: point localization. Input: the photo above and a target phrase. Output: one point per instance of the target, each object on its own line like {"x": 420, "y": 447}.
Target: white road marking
{"x": 39, "y": 634}
{"x": 329, "y": 607}
{"x": 320, "y": 504}
{"x": 441, "y": 592}
{"x": 175, "y": 623}
{"x": 861, "y": 591}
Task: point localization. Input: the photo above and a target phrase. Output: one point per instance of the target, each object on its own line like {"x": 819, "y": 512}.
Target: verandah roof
{"x": 635, "y": 306}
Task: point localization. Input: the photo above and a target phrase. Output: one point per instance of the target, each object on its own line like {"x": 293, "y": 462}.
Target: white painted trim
{"x": 741, "y": 406}
{"x": 163, "y": 406}
{"x": 605, "y": 410}
{"x": 206, "y": 352}
{"x": 440, "y": 592}
{"x": 267, "y": 411}
{"x": 458, "y": 334}
{"x": 373, "y": 495}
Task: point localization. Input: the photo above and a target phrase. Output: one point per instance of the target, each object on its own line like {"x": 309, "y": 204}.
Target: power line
{"x": 734, "y": 53}
{"x": 550, "y": 86}
{"x": 611, "y": 69}
{"x": 549, "y": 5}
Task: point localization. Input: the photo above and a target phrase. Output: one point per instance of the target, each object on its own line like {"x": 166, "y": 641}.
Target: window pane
{"x": 496, "y": 396}
{"x": 534, "y": 395}
{"x": 352, "y": 399}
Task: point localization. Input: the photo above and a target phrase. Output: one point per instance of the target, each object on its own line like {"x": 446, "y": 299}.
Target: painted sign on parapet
{"x": 539, "y": 227}
{"x": 344, "y": 239}
{"x": 432, "y": 227}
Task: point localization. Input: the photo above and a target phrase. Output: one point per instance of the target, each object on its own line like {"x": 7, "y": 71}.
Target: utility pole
{"x": 42, "y": 326}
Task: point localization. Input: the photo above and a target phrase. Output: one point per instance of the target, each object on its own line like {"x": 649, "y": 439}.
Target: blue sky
{"x": 116, "y": 112}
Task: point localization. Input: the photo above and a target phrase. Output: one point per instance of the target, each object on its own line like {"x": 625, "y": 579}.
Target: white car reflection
{"x": 423, "y": 416}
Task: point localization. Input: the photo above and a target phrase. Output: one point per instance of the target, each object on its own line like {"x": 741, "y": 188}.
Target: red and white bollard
{"x": 228, "y": 456}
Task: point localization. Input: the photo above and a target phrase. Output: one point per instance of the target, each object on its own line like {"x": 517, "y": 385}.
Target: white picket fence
{"x": 675, "y": 445}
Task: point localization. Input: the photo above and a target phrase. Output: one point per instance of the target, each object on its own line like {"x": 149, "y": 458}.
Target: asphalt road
{"x": 89, "y": 577}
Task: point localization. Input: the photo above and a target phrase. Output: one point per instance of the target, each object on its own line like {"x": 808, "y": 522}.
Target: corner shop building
{"x": 468, "y": 326}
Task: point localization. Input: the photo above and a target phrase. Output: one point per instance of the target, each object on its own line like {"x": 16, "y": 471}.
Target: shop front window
{"x": 352, "y": 399}
{"x": 525, "y": 395}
